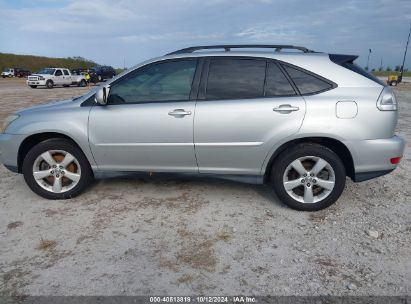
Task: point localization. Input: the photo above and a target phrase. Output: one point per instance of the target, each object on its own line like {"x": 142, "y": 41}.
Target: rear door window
{"x": 235, "y": 78}
{"x": 276, "y": 82}
{"x": 66, "y": 72}
{"x": 307, "y": 83}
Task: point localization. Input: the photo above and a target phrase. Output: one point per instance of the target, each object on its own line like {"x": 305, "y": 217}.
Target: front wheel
{"x": 49, "y": 84}
{"x": 308, "y": 177}
{"x": 82, "y": 83}
{"x": 56, "y": 169}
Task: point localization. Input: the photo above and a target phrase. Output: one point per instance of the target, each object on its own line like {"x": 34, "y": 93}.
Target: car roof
{"x": 316, "y": 62}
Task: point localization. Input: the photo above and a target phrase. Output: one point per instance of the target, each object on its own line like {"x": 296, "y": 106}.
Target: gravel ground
{"x": 179, "y": 236}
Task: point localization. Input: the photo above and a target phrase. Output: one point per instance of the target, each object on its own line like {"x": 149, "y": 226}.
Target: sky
{"x": 111, "y": 32}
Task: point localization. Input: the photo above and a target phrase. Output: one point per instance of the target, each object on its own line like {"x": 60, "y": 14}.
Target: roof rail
{"x": 228, "y": 47}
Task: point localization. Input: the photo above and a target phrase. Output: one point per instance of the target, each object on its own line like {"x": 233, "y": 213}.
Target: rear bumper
{"x": 372, "y": 157}
{"x": 363, "y": 176}
{"x": 9, "y": 147}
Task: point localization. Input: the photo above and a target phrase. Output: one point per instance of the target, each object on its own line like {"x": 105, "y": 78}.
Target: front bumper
{"x": 36, "y": 82}
{"x": 372, "y": 157}
{"x": 9, "y": 148}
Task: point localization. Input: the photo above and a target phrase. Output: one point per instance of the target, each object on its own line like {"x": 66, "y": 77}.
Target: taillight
{"x": 387, "y": 101}
{"x": 395, "y": 160}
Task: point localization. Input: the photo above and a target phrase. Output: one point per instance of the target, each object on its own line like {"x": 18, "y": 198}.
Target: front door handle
{"x": 285, "y": 109}
{"x": 179, "y": 113}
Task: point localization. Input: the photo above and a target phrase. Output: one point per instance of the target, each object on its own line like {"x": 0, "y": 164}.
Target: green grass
{"x": 386, "y": 73}
{"x": 35, "y": 63}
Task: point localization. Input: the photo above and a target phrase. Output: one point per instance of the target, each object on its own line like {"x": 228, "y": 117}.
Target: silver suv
{"x": 298, "y": 120}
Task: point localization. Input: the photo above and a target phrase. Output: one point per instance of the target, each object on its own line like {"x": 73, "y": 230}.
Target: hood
{"x": 54, "y": 105}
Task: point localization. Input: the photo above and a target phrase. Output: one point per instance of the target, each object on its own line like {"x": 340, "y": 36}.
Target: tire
{"x": 82, "y": 83}
{"x": 394, "y": 83}
{"x": 33, "y": 86}
{"x": 49, "y": 84}
{"x": 60, "y": 183}
{"x": 297, "y": 196}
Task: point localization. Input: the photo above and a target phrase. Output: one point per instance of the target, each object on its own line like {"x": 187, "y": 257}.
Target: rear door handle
{"x": 179, "y": 113}
{"x": 285, "y": 109}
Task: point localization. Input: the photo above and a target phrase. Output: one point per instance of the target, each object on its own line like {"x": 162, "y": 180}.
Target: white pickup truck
{"x": 9, "y": 72}
{"x": 51, "y": 77}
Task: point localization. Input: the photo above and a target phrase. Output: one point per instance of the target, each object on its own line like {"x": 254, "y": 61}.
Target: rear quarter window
{"x": 306, "y": 82}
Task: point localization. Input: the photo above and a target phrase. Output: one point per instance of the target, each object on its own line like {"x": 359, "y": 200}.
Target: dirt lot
{"x": 159, "y": 235}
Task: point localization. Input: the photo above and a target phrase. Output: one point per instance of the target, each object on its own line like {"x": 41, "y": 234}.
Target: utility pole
{"x": 380, "y": 65}
{"x": 368, "y": 59}
{"x": 405, "y": 54}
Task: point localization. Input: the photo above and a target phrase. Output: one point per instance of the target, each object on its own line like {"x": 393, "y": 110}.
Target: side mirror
{"x": 102, "y": 95}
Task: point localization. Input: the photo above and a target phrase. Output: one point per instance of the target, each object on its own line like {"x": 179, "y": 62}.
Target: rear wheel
{"x": 56, "y": 169}
{"x": 49, "y": 84}
{"x": 308, "y": 177}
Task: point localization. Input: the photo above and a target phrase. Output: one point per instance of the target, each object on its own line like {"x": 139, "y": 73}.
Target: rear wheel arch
{"x": 32, "y": 140}
{"x": 335, "y": 145}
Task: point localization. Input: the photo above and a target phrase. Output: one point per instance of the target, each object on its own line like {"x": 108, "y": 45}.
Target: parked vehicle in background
{"x": 79, "y": 71}
{"x": 300, "y": 122}
{"x": 393, "y": 80}
{"x": 15, "y": 72}
{"x": 101, "y": 73}
{"x": 22, "y": 73}
{"x": 51, "y": 77}
{"x": 8, "y": 72}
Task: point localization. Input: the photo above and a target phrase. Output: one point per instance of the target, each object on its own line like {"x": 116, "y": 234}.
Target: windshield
{"x": 46, "y": 71}
{"x": 6, "y": 70}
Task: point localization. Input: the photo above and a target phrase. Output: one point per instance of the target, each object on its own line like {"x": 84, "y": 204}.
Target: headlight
{"x": 41, "y": 78}
{"x": 7, "y": 122}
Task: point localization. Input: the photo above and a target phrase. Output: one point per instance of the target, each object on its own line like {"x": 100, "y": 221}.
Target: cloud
{"x": 169, "y": 36}
{"x": 108, "y": 31}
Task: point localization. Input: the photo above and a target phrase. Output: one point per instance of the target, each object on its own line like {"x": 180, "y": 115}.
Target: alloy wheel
{"x": 56, "y": 171}
{"x": 309, "y": 179}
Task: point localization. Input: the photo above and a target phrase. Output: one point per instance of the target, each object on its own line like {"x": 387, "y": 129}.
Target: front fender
{"x": 72, "y": 123}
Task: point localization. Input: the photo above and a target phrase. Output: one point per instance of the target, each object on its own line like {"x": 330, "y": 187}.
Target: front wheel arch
{"x": 333, "y": 144}
{"x": 34, "y": 139}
